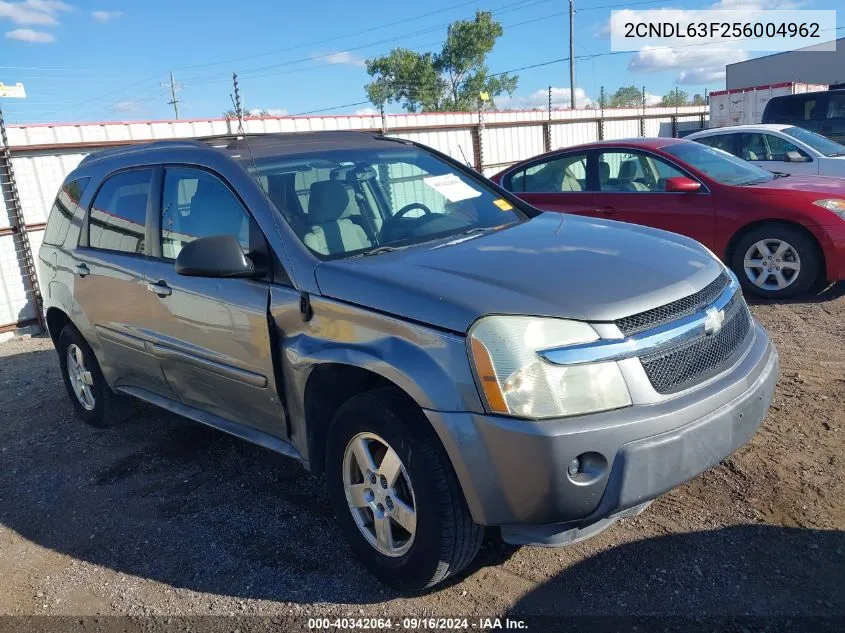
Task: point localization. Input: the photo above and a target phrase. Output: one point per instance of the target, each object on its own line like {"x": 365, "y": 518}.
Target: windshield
{"x": 823, "y": 145}
{"x": 354, "y": 201}
{"x": 719, "y": 165}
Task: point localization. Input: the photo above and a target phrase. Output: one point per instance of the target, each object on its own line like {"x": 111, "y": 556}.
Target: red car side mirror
{"x": 682, "y": 184}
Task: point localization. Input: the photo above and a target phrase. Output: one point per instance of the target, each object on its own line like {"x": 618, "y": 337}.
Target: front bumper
{"x": 515, "y": 473}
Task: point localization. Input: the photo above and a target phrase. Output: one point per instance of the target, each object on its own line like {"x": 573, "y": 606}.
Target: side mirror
{"x": 795, "y": 157}
{"x": 682, "y": 184}
{"x": 214, "y": 256}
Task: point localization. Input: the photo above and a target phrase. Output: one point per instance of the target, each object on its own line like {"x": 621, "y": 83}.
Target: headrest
{"x": 628, "y": 170}
{"x": 327, "y": 201}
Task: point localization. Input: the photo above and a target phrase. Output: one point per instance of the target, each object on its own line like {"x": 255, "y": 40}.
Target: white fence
{"x": 43, "y": 154}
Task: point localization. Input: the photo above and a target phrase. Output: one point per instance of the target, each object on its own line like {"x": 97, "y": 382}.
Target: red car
{"x": 780, "y": 234}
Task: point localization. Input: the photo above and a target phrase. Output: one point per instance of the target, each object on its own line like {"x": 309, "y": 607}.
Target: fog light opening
{"x": 587, "y": 468}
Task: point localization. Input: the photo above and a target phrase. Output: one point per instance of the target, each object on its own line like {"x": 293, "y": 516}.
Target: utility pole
{"x": 571, "y": 54}
{"x": 174, "y": 88}
{"x": 238, "y": 105}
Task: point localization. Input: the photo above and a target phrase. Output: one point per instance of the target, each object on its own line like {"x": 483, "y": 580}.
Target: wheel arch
{"x": 330, "y": 385}
{"x": 747, "y": 228}
{"x": 57, "y": 319}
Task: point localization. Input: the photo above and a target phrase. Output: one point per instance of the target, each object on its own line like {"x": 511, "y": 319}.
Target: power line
{"x": 359, "y": 32}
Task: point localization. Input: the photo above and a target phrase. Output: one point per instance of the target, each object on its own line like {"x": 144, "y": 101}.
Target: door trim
{"x": 166, "y": 352}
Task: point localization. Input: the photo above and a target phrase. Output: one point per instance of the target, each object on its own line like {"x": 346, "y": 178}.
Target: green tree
{"x": 449, "y": 80}
{"x": 626, "y": 97}
{"x": 697, "y": 99}
{"x": 675, "y": 98}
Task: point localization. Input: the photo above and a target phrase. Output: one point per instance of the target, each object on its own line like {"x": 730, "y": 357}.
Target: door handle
{"x": 82, "y": 270}
{"x": 160, "y": 288}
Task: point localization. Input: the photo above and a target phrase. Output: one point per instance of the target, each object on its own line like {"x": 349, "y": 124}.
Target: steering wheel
{"x": 388, "y": 226}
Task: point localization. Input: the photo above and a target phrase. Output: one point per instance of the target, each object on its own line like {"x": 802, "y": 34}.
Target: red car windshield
{"x": 719, "y": 165}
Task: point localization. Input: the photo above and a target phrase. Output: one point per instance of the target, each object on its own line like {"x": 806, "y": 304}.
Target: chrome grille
{"x": 684, "y": 365}
{"x": 679, "y": 309}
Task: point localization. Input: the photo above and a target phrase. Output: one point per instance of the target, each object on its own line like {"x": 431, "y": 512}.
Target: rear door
{"x": 632, "y": 189}
{"x": 557, "y": 183}
{"x": 109, "y": 285}
{"x": 212, "y": 336}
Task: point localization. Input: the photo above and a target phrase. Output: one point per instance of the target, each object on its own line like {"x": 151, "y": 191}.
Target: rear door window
{"x": 561, "y": 175}
{"x": 724, "y": 142}
{"x": 117, "y": 221}
{"x": 64, "y": 208}
{"x": 836, "y": 105}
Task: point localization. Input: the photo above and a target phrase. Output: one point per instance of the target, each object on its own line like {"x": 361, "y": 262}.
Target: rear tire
{"x": 775, "y": 261}
{"x": 444, "y": 539}
{"x": 92, "y": 399}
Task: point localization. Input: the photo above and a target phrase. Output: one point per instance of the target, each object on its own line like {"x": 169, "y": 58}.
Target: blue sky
{"x": 105, "y": 60}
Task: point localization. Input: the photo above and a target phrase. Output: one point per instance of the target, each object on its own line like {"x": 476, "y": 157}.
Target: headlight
{"x": 516, "y": 381}
{"x": 832, "y": 204}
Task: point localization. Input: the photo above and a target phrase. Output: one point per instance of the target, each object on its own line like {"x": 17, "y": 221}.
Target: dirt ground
{"x": 163, "y": 516}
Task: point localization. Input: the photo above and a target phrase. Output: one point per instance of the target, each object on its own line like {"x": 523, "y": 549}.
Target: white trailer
{"x": 744, "y": 106}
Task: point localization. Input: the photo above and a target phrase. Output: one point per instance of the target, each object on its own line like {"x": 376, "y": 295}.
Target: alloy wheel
{"x": 80, "y": 377}
{"x": 772, "y": 264}
{"x": 379, "y": 494}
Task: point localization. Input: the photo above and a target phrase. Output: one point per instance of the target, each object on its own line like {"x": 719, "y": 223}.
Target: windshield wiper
{"x": 837, "y": 154}
{"x": 378, "y": 250}
{"x": 779, "y": 174}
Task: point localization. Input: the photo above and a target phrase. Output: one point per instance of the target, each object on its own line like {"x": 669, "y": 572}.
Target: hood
{"x": 817, "y": 186}
{"x": 553, "y": 265}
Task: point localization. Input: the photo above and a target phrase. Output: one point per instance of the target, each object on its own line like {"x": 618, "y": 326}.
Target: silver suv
{"x": 449, "y": 356}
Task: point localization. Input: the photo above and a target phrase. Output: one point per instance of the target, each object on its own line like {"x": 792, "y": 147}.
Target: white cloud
{"x": 695, "y": 66}
{"x": 652, "y": 100}
{"x": 539, "y": 99}
{"x": 33, "y": 12}
{"x": 128, "y": 107}
{"x": 105, "y": 16}
{"x": 366, "y": 111}
{"x": 28, "y": 35}
{"x": 342, "y": 58}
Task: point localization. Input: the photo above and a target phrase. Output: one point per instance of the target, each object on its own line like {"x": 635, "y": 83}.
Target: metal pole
{"x": 571, "y": 54}
{"x": 238, "y": 106}
{"x": 173, "y": 100}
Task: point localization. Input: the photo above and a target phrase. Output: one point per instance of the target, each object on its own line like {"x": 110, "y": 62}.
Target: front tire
{"x": 774, "y": 261}
{"x": 395, "y": 495}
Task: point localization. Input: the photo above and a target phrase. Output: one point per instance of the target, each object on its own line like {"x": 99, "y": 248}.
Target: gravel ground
{"x": 161, "y": 516}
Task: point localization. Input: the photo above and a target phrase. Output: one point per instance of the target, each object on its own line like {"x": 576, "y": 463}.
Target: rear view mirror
{"x": 682, "y": 184}
{"x": 214, "y": 256}
{"x": 795, "y": 157}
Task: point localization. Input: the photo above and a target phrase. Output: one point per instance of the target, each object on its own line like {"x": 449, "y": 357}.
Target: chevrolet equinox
{"x": 450, "y": 357}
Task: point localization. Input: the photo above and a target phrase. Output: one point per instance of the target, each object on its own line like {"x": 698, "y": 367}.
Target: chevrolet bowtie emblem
{"x": 713, "y": 321}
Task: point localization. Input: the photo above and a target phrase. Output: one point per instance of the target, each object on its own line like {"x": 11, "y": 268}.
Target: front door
{"x": 632, "y": 189}
{"x": 211, "y": 335}
{"x": 768, "y": 151}
{"x": 109, "y": 280}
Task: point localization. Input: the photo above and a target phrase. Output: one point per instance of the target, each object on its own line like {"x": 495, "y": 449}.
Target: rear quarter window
{"x": 64, "y": 208}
